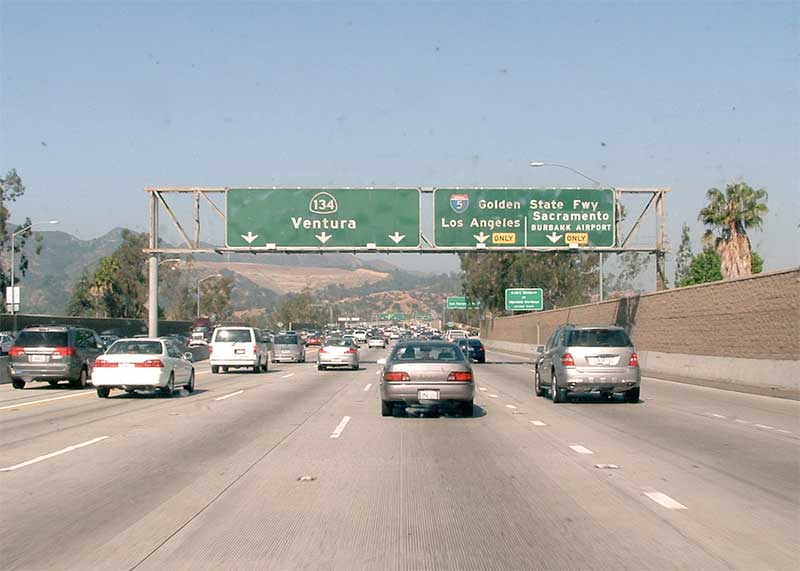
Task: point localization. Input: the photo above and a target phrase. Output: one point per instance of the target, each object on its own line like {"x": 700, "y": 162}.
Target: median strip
{"x": 54, "y": 454}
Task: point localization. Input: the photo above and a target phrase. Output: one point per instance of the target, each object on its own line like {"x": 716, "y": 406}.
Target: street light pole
{"x": 587, "y": 177}
{"x": 14, "y": 263}
{"x": 198, "y": 289}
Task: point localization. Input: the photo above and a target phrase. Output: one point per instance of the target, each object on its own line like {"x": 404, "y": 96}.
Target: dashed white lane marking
{"x": 743, "y": 421}
{"x": 338, "y": 430}
{"x": 532, "y": 370}
{"x": 367, "y": 387}
{"x": 511, "y": 406}
{"x": 484, "y": 389}
{"x": 782, "y": 431}
{"x": 31, "y": 403}
{"x": 493, "y": 396}
{"x": 229, "y": 395}
{"x": 718, "y": 415}
{"x": 53, "y": 454}
{"x": 664, "y": 500}
{"x": 765, "y": 426}
{"x": 538, "y": 423}
{"x": 581, "y": 449}
{"x": 287, "y": 376}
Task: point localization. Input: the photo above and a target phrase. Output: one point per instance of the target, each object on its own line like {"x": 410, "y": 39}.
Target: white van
{"x": 238, "y": 347}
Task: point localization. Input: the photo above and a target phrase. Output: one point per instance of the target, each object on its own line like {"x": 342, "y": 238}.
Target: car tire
{"x": 17, "y": 384}
{"x": 632, "y": 396}
{"x": 214, "y": 369}
{"x": 257, "y": 366}
{"x": 537, "y": 383}
{"x": 467, "y": 409}
{"x": 355, "y": 367}
{"x": 606, "y": 396}
{"x": 190, "y": 385}
{"x": 103, "y": 392}
{"x": 80, "y": 382}
{"x": 387, "y": 408}
{"x": 320, "y": 367}
{"x": 166, "y": 392}
{"x": 558, "y": 395}
{"x": 265, "y": 366}
{"x": 52, "y": 383}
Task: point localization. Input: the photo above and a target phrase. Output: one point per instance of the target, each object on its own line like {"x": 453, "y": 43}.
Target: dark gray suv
{"x": 580, "y": 359}
{"x": 53, "y": 353}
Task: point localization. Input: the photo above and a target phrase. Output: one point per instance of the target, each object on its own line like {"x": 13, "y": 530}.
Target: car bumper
{"x": 585, "y": 382}
{"x": 287, "y": 358}
{"x": 337, "y": 361}
{"x": 249, "y": 362}
{"x": 122, "y": 379}
{"x": 409, "y": 393}
{"x": 37, "y": 372}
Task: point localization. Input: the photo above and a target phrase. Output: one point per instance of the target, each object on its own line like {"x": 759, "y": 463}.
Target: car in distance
{"x": 338, "y": 352}
{"x": 473, "y": 348}
{"x": 53, "y": 353}
{"x": 238, "y": 347}
{"x": 289, "y": 347}
{"x": 427, "y": 374}
{"x": 360, "y": 336}
{"x": 6, "y": 341}
{"x": 584, "y": 359}
{"x": 377, "y": 341}
{"x": 313, "y": 340}
{"x": 453, "y": 334}
{"x": 143, "y": 364}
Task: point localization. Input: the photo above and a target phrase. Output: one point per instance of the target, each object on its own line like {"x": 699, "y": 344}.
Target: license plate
{"x": 126, "y": 365}
{"x": 239, "y": 351}
{"x": 39, "y": 358}
{"x": 428, "y": 395}
{"x": 602, "y": 361}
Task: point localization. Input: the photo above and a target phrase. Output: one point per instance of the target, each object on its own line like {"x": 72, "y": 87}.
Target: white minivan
{"x": 238, "y": 347}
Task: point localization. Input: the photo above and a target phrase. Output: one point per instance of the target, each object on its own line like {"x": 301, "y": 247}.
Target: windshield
{"x": 31, "y": 338}
{"x": 135, "y": 347}
{"x": 597, "y": 338}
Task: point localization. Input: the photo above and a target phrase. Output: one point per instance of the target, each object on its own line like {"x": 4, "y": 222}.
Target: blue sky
{"x": 102, "y": 99}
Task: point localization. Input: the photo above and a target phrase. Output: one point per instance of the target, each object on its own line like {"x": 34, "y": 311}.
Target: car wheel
{"x": 320, "y": 367}
{"x": 467, "y": 409}
{"x": 632, "y": 396}
{"x": 80, "y": 383}
{"x": 257, "y": 366}
{"x": 387, "y": 408}
{"x": 606, "y": 396}
{"x": 52, "y": 383}
{"x": 214, "y": 369}
{"x": 18, "y": 384}
{"x": 103, "y": 392}
{"x": 190, "y": 385}
{"x": 167, "y": 391}
{"x": 224, "y": 369}
{"x": 558, "y": 395}
{"x": 265, "y": 366}
{"x": 537, "y": 383}
{"x": 355, "y": 367}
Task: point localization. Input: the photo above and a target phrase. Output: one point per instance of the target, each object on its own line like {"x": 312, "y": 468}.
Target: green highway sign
{"x": 524, "y": 218}
{"x": 460, "y": 302}
{"x": 524, "y": 299}
{"x": 315, "y": 219}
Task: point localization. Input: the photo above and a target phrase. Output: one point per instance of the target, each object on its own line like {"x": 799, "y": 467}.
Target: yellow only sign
{"x": 504, "y": 238}
{"x": 580, "y": 238}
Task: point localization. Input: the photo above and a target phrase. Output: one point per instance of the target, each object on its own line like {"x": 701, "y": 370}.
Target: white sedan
{"x": 377, "y": 342}
{"x": 143, "y": 364}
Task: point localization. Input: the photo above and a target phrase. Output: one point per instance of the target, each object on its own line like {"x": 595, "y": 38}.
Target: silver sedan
{"x": 338, "y": 352}
{"x": 427, "y": 374}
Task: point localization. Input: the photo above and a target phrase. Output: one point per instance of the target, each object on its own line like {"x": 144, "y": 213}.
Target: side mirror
{"x": 540, "y": 349}
{"x": 381, "y": 361}
{"x": 188, "y": 356}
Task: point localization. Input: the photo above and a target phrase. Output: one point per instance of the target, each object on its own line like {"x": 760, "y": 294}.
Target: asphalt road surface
{"x": 296, "y": 469}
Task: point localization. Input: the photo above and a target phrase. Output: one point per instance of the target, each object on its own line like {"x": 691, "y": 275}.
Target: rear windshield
{"x": 475, "y": 343}
{"x": 598, "y": 338}
{"x": 42, "y": 339}
{"x": 428, "y": 353}
{"x": 339, "y": 343}
{"x": 135, "y": 347}
{"x": 233, "y": 336}
{"x": 286, "y": 340}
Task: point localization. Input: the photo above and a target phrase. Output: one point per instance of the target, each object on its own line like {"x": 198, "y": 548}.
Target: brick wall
{"x": 754, "y": 318}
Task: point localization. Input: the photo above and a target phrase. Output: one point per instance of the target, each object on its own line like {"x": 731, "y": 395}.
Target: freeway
{"x": 296, "y": 469}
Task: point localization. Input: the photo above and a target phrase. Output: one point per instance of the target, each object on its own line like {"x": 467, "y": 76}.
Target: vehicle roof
{"x": 573, "y": 326}
{"x": 232, "y": 327}
{"x": 427, "y": 343}
{"x": 140, "y": 339}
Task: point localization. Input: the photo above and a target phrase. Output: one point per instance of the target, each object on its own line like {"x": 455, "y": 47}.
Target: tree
{"x": 683, "y": 258}
{"x": 707, "y": 267}
{"x": 215, "y": 298}
{"x": 11, "y": 188}
{"x": 299, "y": 308}
{"x": 81, "y": 301}
{"x": 728, "y": 215}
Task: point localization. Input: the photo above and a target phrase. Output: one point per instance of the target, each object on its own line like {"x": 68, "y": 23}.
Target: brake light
{"x": 210, "y": 349}
{"x": 255, "y": 349}
{"x": 103, "y": 364}
{"x": 351, "y": 351}
{"x": 396, "y": 377}
{"x": 64, "y": 351}
{"x": 322, "y": 350}
{"x": 567, "y": 360}
{"x": 16, "y": 351}
{"x": 150, "y": 363}
{"x": 460, "y": 376}
{"x": 634, "y": 360}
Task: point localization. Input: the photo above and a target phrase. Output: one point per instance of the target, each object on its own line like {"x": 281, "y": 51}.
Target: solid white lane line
{"x": 31, "y": 403}
{"x": 229, "y": 395}
{"x": 718, "y": 416}
{"x": 340, "y": 428}
{"x": 367, "y": 387}
{"x": 538, "y": 423}
{"x": 287, "y": 376}
{"x": 765, "y": 426}
{"x": 493, "y": 396}
{"x": 511, "y": 406}
{"x": 581, "y": 449}
{"x": 53, "y": 454}
{"x": 664, "y": 500}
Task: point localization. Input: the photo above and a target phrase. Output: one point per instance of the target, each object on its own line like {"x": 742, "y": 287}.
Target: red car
{"x": 313, "y": 341}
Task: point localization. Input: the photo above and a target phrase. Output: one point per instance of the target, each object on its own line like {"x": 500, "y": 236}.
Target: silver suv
{"x": 582, "y": 359}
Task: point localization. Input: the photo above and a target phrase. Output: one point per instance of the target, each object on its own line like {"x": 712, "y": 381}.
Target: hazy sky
{"x": 102, "y": 99}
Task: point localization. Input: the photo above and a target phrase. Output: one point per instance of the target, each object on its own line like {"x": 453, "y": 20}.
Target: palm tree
{"x": 730, "y": 214}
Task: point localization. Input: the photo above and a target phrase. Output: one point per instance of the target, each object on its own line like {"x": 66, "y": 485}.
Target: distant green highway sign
{"x": 460, "y": 302}
{"x": 524, "y": 218}
{"x": 524, "y": 299}
{"x": 314, "y": 219}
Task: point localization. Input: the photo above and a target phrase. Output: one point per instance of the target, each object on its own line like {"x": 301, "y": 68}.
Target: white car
{"x": 376, "y": 342}
{"x": 143, "y": 364}
{"x": 238, "y": 347}
{"x": 360, "y": 336}
{"x": 6, "y": 341}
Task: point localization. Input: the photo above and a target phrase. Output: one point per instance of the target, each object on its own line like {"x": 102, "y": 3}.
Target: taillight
{"x": 322, "y": 350}
{"x": 151, "y": 363}
{"x": 567, "y": 360}
{"x": 210, "y": 349}
{"x": 16, "y": 351}
{"x": 351, "y": 351}
{"x": 103, "y": 364}
{"x": 255, "y": 349}
{"x": 396, "y": 377}
{"x": 460, "y": 376}
{"x": 634, "y": 360}
{"x": 64, "y": 351}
